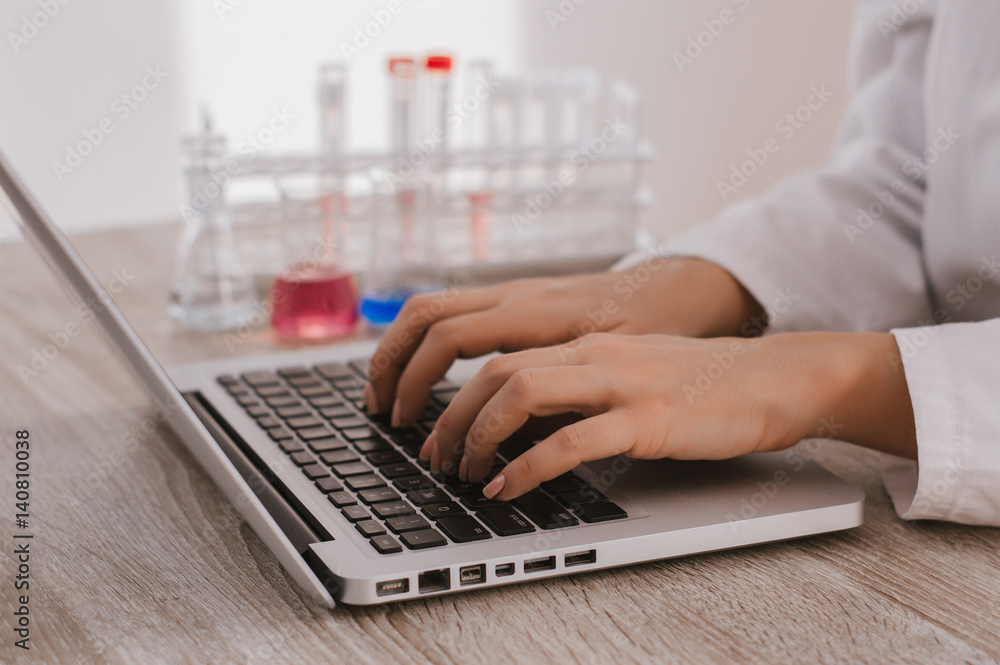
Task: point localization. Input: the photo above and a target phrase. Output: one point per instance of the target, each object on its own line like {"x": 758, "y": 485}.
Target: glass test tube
{"x": 480, "y": 195}
{"x": 402, "y": 132}
{"x": 333, "y": 132}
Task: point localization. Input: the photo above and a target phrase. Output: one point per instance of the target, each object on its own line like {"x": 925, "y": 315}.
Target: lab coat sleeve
{"x": 839, "y": 248}
{"x": 951, "y": 372}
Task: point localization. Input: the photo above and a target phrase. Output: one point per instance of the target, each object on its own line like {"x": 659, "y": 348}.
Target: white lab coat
{"x": 900, "y": 232}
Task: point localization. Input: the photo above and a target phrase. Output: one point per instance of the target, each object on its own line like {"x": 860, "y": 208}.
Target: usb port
{"x": 505, "y": 569}
{"x": 472, "y": 574}
{"x": 392, "y": 587}
{"x": 580, "y": 558}
{"x": 537, "y": 565}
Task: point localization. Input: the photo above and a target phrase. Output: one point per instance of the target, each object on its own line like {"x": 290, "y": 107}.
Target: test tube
{"x": 437, "y": 86}
{"x": 332, "y": 97}
{"x": 402, "y": 133}
{"x": 480, "y": 196}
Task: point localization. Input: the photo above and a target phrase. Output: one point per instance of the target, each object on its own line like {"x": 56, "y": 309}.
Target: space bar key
{"x": 504, "y": 520}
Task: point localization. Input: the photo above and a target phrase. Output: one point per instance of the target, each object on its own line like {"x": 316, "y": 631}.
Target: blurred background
{"x": 65, "y": 64}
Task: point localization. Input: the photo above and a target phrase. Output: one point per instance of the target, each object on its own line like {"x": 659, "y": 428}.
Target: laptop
{"x": 344, "y": 503}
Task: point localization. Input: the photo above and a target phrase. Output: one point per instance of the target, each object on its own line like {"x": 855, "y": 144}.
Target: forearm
{"x": 853, "y": 389}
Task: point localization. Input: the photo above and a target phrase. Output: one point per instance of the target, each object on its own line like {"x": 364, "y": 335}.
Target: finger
{"x": 404, "y": 335}
{"x": 452, "y": 425}
{"x": 594, "y": 438}
{"x": 530, "y": 392}
{"x": 467, "y": 336}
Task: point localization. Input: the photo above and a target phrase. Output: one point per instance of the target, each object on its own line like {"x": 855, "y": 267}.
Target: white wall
{"x": 704, "y": 118}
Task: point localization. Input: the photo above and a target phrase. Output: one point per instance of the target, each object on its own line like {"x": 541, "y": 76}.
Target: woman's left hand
{"x": 650, "y": 397}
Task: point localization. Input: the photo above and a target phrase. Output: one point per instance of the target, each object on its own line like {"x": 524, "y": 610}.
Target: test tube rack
{"x": 529, "y": 207}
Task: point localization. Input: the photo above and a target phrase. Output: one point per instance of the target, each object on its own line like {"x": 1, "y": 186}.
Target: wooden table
{"x": 139, "y": 558}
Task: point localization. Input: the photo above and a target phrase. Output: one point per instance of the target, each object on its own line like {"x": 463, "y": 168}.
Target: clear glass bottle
{"x": 211, "y": 290}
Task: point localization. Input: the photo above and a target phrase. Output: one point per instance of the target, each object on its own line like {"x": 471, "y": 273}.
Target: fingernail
{"x": 425, "y": 450}
{"x": 463, "y": 469}
{"x": 396, "y": 418}
{"x": 435, "y": 459}
{"x": 495, "y": 486}
{"x": 371, "y": 402}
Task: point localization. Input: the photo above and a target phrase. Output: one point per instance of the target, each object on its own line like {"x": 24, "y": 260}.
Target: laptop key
{"x": 315, "y": 471}
{"x": 227, "y": 380}
{"x": 328, "y": 444}
{"x": 398, "y": 470}
{"x": 292, "y": 411}
{"x": 257, "y": 410}
{"x": 351, "y": 469}
{"x": 358, "y": 483}
{"x": 371, "y": 445}
{"x": 392, "y": 509}
{"x": 341, "y": 499}
{"x": 356, "y": 513}
{"x": 328, "y": 485}
{"x": 247, "y": 401}
{"x": 334, "y": 370}
{"x": 325, "y": 400}
{"x": 267, "y": 422}
{"x": 297, "y": 370}
{"x": 335, "y": 411}
{"x": 276, "y": 402}
{"x": 504, "y": 520}
{"x": 544, "y": 511}
{"x": 463, "y": 528}
{"x": 426, "y": 495}
{"x": 303, "y": 457}
{"x": 564, "y": 483}
{"x": 303, "y": 380}
{"x": 473, "y": 502}
{"x": 378, "y": 494}
{"x": 418, "y": 540}
{"x": 600, "y": 512}
{"x": 370, "y": 528}
{"x": 315, "y": 391}
{"x": 339, "y": 456}
{"x": 321, "y": 432}
{"x": 461, "y": 488}
{"x": 261, "y": 378}
{"x": 412, "y": 482}
{"x": 436, "y": 511}
{"x": 304, "y": 422}
{"x": 279, "y": 433}
{"x": 581, "y": 496}
{"x": 380, "y": 457}
{"x": 347, "y": 383}
{"x": 358, "y": 433}
{"x": 405, "y": 523}
{"x": 386, "y": 545}
{"x": 272, "y": 391}
{"x": 360, "y": 365}
{"x": 347, "y": 422}
{"x": 291, "y": 446}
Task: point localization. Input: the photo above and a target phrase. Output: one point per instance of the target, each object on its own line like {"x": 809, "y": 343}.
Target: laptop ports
{"x": 434, "y": 580}
{"x": 580, "y": 558}
{"x": 472, "y": 574}
{"x": 538, "y": 565}
{"x": 505, "y": 569}
{"x": 392, "y": 587}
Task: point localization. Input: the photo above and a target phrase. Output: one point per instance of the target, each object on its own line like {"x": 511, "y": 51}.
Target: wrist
{"x": 854, "y": 390}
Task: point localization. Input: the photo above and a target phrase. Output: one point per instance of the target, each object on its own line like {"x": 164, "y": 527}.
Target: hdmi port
{"x": 537, "y": 565}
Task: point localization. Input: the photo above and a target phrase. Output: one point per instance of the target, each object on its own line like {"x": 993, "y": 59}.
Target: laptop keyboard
{"x": 373, "y": 474}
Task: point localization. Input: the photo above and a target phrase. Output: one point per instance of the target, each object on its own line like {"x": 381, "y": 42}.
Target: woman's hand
{"x": 657, "y": 396}
{"x": 669, "y": 296}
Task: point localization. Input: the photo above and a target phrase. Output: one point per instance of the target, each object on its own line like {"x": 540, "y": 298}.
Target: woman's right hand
{"x": 673, "y": 296}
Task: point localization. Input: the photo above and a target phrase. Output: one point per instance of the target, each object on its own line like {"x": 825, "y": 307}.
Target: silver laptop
{"x": 349, "y": 510}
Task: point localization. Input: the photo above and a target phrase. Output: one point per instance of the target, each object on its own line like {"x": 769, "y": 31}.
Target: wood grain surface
{"x": 138, "y": 557}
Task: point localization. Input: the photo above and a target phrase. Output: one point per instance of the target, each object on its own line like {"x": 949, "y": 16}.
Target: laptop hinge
{"x": 297, "y": 523}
